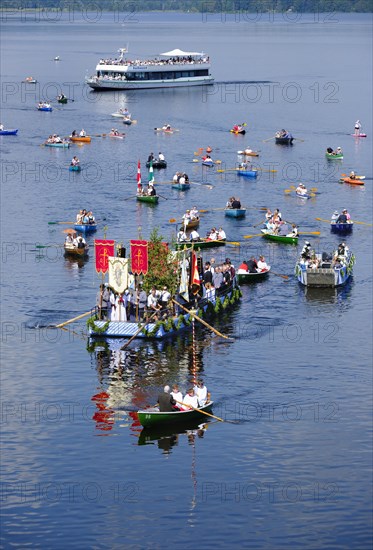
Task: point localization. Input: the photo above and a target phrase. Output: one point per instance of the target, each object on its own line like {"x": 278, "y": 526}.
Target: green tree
{"x": 163, "y": 266}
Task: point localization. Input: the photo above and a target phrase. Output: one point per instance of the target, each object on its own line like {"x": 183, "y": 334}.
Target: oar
{"x": 211, "y": 210}
{"x": 54, "y": 223}
{"x": 49, "y": 245}
{"x": 269, "y": 139}
{"x": 260, "y": 223}
{"x": 360, "y": 223}
{"x": 74, "y": 319}
{"x": 251, "y": 236}
{"x": 138, "y": 331}
{"x": 298, "y": 139}
{"x": 309, "y": 233}
{"x": 202, "y": 321}
{"x": 128, "y": 198}
{"x": 279, "y": 275}
{"x": 162, "y": 197}
{"x": 200, "y": 411}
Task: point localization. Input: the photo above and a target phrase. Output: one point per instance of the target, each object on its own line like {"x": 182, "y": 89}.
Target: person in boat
{"x": 153, "y": 301}
{"x": 357, "y": 128}
{"x": 165, "y": 297}
{"x": 301, "y": 189}
{"x": 103, "y": 301}
{"x": 161, "y": 157}
{"x": 125, "y": 112}
{"x": 329, "y": 150}
{"x": 186, "y": 217}
{"x": 190, "y": 400}
{"x": 194, "y": 214}
{"x": 338, "y": 151}
{"x": 1, "y": 127}
{"x": 82, "y": 133}
{"x": 165, "y": 401}
{"x": 182, "y": 179}
{"x": 80, "y": 216}
{"x": 91, "y": 218}
{"x": 236, "y": 203}
{"x": 141, "y": 301}
{"x": 151, "y": 157}
{"x": 73, "y": 133}
{"x": 294, "y": 231}
{"x": 262, "y": 264}
{"x": 85, "y": 217}
{"x": 229, "y": 203}
{"x": 177, "y": 395}
{"x": 61, "y": 96}
{"x": 212, "y": 235}
{"x": 69, "y": 239}
{"x": 252, "y": 265}
{"x": 75, "y": 161}
{"x": 217, "y": 278}
{"x": 207, "y": 274}
{"x": 352, "y": 175}
{"x": 221, "y": 234}
{"x": 176, "y": 177}
{"x": 181, "y": 235}
{"x": 342, "y": 250}
{"x": 201, "y": 392}
{"x": 81, "y": 242}
{"x": 345, "y": 211}
{"x": 268, "y": 215}
{"x": 248, "y": 151}
{"x": 207, "y": 158}
{"x": 194, "y": 236}
{"x": 243, "y": 268}
{"x": 151, "y": 190}
{"x": 166, "y": 127}
{"x": 342, "y": 218}
{"x": 334, "y": 216}
{"x": 227, "y": 277}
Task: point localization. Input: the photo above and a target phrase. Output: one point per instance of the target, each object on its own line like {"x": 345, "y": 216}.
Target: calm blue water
{"x": 292, "y": 467}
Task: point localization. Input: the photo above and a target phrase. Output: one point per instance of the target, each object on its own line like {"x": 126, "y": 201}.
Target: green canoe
{"x": 152, "y": 417}
{"x": 204, "y": 243}
{"x": 279, "y": 238}
{"x": 243, "y": 278}
{"x": 330, "y": 156}
{"x": 152, "y": 199}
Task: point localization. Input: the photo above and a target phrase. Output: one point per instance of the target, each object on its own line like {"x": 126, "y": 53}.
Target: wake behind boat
{"x": 175, "y": 68}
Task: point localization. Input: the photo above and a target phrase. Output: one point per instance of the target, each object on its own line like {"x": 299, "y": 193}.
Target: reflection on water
{"x": 330, "y": 295}
{"x": 171, "y": 435}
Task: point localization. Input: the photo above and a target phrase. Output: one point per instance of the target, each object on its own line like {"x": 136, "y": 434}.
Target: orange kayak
{"x": 355, "y": 181}
{"x": 85, "y": 139}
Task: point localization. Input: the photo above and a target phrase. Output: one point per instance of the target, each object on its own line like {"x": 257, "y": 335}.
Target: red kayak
{"x": 359, "y": 135}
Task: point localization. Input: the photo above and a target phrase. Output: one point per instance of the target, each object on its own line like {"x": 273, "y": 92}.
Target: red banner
{"x": 103, "y": 249}
{"x": 194, "y": 275}
{"x": 139, "y": 257}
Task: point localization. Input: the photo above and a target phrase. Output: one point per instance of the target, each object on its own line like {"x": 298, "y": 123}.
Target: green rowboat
{"x": 330, "y": 156}
{"x": 152, "y": 199}
{"x": 204, "y": 243}
{"x": 279, "y": 238}
{"x": 153, "y": 417}
{"x": 243, "y": 278}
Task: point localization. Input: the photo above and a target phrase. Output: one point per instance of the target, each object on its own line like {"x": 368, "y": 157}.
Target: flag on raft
{"x": 184, "y": 283}
{"x": 139, "y": 257}
{"x": 194, "y": 275}
{"x": 151, "y": 174}
{"x": 118, "y": 274}
{"x": 103, "y": 249}
{"x": 139, "y": 186}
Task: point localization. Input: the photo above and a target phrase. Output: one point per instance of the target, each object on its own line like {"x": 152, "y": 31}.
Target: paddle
{"x": 269, "y": 139}
{"x": 251, "y": 236}
{"x": 162, "y": 197}
{"x": 360, "y": 223}
{"x": 260, "y": 223}
{"x": 309, "y": 233}
{"x": 202, "y": 321}
{"x": 128, "y": 198}
{"x": 200, "y": 411}
{"x": 54, "y": 223}
{"x": 138, "y": 331}
{"x": 279, "y": 275}
{"x": 72, "y": 320}
{"x": 298, "y": 139}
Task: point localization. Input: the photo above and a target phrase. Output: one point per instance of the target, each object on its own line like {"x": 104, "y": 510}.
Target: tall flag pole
{"x": 139, "y": 186}
{"x": 151, "y": 173}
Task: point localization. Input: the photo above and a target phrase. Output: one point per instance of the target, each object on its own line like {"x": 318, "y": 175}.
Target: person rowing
{"x": 75, "y": 161}
{"x": 301, "y": 189}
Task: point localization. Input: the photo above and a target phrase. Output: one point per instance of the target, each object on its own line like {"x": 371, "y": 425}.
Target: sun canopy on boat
{"x": 180, "y": 53}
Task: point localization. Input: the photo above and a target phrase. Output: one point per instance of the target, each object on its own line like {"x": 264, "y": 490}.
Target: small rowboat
{"x": 208, "y": 163}
{"x": 248, "y": 153}
{"x": 30, "y": 80}
{"x": 359, "y": 135}
{"x": 191, "y": 223}
{"x": 267, "y": 234}
{"x": 85, "y": 227}
{"x": 243, "y": 131}
{"x": 150, "y": 199}
{"x": 181, "y": 186}
{"x": 304, "y": 195}
{"x": 127, "y": 121}
{"x": 75, "y": 251}
{"x": 286, "y": 140}
{"x": 62, "y": 100}
{"x": 153, "y": 417}
{"x": 170, "y": 131}
{"x": 118, "y": 136}
{"x": 47, "y": 109}
{"x": 235, "y": 212}
{"x": 248, "y": 173}
{"x": 341, "y": 227}
{"x": 8, "y": 132}
{"x": 354, "y": 181}
{"x": 57, "y": 144}
{"x": 332, "y": 156}
{"x": 83, "y": 139}
{"x": 118, "y": 115}
{"x": 75, "y": 168}
{"x": 243, "y": 278}
{"x": 157, "y": 164}
{"x": 203, "y": 243}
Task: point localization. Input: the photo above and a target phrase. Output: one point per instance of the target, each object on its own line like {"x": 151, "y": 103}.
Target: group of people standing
{"x": 173, "y": 401}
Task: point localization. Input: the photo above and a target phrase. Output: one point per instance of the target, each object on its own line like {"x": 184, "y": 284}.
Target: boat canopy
{"x": 180, "y": 53}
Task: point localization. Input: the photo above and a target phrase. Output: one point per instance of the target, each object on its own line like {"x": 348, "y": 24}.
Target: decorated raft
{"x": 168, "y": 327}
{"x": 327, "y": 274}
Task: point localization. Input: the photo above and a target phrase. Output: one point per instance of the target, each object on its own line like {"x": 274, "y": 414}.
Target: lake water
{"x": 292, "y": 466}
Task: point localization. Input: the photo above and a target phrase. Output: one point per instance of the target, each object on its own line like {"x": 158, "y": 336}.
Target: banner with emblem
{"x": 139, "y": 257}
{"x": 104, "y": 248}
{"x": 118, "y": 274}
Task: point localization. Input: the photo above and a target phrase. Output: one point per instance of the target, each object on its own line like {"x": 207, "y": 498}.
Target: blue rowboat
{"x": 341, "y": 227}
{"x": 47, "y": 109}
{"x": 306, "y": 196}
{"x": 85, "y": 227}
{"x": 208, "y": 163}
{"x": 8, "y": 132}
{"x": 235, "y": 212}
{"x": 75, "y": 168}
{"x": 181, "y": 186}
{"x": 58, "y": 144}
{"x": 248, "y": 173}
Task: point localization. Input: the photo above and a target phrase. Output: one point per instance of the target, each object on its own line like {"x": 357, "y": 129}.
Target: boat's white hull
{"x": 102, "y": 84}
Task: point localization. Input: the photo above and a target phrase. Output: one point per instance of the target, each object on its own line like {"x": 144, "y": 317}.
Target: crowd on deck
{"x": 173, "y": 401}
{"x": 311, "y": 260}
{"x": 188, "y": 60}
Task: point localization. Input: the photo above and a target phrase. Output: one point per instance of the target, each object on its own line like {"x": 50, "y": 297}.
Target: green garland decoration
{"x": 218, "y": 305}
{"x": 91, "y": 324}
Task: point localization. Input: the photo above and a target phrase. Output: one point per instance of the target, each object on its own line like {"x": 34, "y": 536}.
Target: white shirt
{"x": 182, "y": 236}
{"x": 262, "y": 265}
{"x": 194, "y": 235}
{"x": 221, "y": 234}
{"x": 194, "y": 213}
{"x": 190, "y": 400}
{"x": 178, "y": 396}
{"x": 165, "y": 296}
{"x": 152, "y": 300}
{"x": 161, "y": 156}
{"x": 201, "y": 395}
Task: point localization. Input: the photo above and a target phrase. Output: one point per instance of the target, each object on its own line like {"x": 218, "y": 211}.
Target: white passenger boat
{"x": 168, "y": 70}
